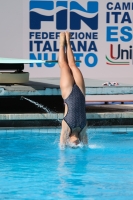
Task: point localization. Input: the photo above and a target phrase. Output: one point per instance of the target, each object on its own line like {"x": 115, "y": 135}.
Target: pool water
{"x": 32, "y": 167}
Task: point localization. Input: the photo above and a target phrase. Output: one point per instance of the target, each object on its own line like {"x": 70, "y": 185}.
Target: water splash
{"x": 95, "y": 146}
{"x": 40, "y": 106}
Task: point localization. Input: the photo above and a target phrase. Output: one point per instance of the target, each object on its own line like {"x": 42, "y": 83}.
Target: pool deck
{"x": 101, "y": 107}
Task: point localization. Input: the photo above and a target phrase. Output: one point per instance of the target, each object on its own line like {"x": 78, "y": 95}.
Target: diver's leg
{"x": 66, "y": 78}
{"x": 77, "y": 75}
{"x": 66, "y": 84}
{"x": 83, "y": 136}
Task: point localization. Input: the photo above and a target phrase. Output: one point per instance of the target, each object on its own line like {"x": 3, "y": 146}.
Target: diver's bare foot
{"x": 62, "y": 39}
{"x": 68, "y": 36}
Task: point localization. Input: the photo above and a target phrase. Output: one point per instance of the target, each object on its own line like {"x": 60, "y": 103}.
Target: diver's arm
{"x": 62, "y": 138}
{"x": 64, "y": 134}
{"x": 83, "y": 136}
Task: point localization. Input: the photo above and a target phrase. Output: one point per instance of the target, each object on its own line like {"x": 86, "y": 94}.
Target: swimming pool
{"x": 32, "y": 166}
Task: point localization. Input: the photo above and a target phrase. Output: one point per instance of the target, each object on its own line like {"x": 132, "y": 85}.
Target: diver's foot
{"x": 62, "y": 39}
{"x": 68, "y": 36}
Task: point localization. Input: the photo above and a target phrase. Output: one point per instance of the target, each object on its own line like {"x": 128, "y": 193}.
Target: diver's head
{"x": 74, "y": 137}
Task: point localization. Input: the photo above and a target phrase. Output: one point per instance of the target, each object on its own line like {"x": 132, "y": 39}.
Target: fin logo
{"x": 57, "y": 12}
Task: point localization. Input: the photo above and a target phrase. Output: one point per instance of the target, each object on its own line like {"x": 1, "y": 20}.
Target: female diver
{"x": 72, "y": 86}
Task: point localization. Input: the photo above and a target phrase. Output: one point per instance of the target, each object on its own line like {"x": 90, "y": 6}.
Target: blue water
{"x": 32, "y": 167}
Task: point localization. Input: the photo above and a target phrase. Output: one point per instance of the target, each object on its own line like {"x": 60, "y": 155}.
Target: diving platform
{"x": 7, "y": 65}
